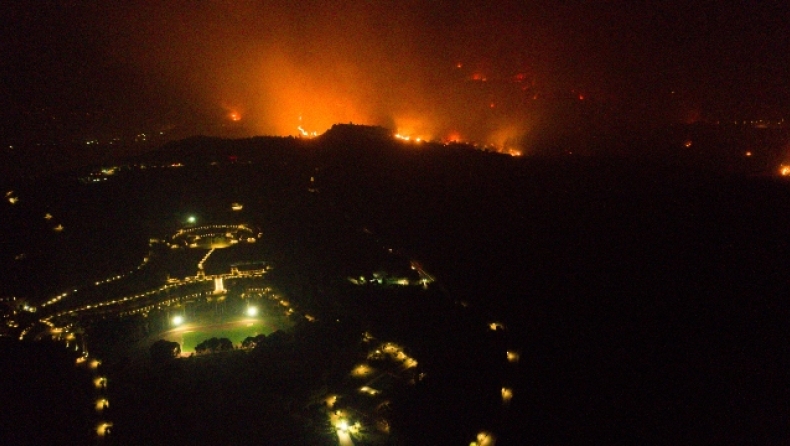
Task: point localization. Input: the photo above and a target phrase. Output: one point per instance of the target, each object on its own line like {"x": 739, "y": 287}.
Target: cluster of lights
{"x": 225, "y": 228}
{"x": 394, "y": 352}
{"x": 245, "y": 274}
{"x": 252, "y": 311}
{"x": 104, "y": 172}
{"x": 339, "y": 418}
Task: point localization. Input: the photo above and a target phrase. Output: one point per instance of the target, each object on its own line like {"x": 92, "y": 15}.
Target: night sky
{"x": 474, "y": 70}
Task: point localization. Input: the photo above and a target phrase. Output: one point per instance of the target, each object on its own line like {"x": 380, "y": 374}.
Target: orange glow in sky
{"x": 453, "y": 137}
{"x": 299, "y": 77}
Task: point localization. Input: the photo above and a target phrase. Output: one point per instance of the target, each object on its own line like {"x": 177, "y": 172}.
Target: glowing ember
{"x": 234, "y": 116}
{"x": 784, "y": 170}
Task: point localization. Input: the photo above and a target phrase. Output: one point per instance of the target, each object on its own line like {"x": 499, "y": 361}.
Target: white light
{"x": 342, "y": 426}
{"x": 252, "y": 311}
{"x": 178, "y": 320}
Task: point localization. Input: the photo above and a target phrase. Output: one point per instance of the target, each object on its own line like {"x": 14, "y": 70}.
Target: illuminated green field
{"x": 236, "y": 332}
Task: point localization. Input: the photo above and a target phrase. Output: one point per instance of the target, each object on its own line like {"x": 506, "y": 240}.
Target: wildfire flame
{"x": 407, "y": 137}
{"x": 304, "y": 133}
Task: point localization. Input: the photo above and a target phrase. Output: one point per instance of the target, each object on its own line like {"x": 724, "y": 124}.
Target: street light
{"x": 191, "y": 219}
{"x": 103, "y": 429}
{"x": 178, "y": 320}
{"x": 252, "y": 311}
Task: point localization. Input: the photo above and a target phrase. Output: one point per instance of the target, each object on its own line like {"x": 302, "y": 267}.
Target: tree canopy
{"x": 163, "y": 350}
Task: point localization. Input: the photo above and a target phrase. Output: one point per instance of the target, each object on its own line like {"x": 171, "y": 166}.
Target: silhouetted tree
{"x": 224, "y": 344}
{"x": 163, "y": 350}
{"x": 252, "y": 341}
{"x": 214, "y": 345}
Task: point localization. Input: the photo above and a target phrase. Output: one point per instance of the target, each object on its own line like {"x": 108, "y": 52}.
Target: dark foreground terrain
{"x": 648, "y": 301}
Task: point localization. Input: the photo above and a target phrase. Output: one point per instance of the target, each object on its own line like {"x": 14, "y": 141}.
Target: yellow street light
{"x": 103, "y": 429}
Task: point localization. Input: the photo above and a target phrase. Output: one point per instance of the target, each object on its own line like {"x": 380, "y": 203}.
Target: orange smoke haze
{"x": 282, "y": 67}
{"x": 540, "y": 74}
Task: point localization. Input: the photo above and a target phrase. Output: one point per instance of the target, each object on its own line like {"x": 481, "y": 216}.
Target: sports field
{"x": 191, "y": 335}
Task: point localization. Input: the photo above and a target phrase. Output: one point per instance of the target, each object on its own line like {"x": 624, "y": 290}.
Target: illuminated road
{"x": 344, "y": 438}
{"x": 147, "y": 300}
{"x": 343, "y": 435}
